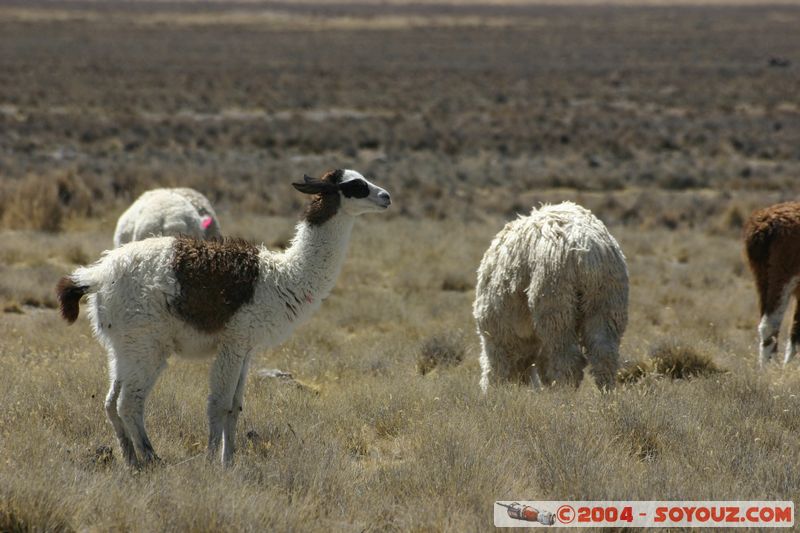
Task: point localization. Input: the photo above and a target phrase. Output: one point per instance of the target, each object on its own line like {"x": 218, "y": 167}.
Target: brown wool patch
{"x": 216, "y": 278}
{"x": 324, "y": 206}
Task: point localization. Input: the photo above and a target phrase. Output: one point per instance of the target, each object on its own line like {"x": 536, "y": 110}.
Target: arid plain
{"x": 670, "y": 123}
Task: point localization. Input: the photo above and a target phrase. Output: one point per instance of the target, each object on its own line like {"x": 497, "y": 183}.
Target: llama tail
{"x": 69, "y": 298}
{"x": 757, "y": 243}
{"x": 82, "y": 281}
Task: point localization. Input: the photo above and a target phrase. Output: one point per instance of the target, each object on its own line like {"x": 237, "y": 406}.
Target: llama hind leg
{"x": 774, "y": 301}
{"x": 565, "y": 362}
{"x": 794, "y": 335}
{"x": 486, "y": 366}
{"x": 768, "y": 337}
{"x": 768, "y": 330}
{"x": 125, "y": 443}
{"x": 601, "y": 342}
{"x": 561, "y": 359}
{"x": 494, "y": 367}
{"x": 137, "y": 372}
{"x": 553, "y": 307}
{"x": 503, "y": 359}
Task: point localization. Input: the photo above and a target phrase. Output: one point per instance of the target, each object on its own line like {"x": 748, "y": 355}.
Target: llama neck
{"x": 317, "y": 254}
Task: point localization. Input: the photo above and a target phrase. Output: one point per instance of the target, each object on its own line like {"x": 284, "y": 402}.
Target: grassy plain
{"x": 668, "y": 122}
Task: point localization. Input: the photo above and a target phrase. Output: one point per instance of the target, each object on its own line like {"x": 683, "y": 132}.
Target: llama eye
{"x": 355, "y": 189}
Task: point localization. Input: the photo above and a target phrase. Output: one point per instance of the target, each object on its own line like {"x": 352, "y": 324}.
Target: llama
{"x": 772, "y": 246}
{"x": 552, "y": 293}
{"x": 151, "y": 298}
{"x": 179, "y": 211}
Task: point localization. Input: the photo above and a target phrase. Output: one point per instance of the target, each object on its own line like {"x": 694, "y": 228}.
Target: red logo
{"x": 565, "y": 514}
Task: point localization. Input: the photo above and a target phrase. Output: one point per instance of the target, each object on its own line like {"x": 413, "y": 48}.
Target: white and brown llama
{"x": 228, "y": 299}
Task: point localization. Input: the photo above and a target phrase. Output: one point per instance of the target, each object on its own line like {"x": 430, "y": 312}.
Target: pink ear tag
{"x": 206, "y": 222}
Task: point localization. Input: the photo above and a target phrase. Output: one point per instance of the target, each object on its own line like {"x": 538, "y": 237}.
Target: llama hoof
{"x": 153, "y": 464}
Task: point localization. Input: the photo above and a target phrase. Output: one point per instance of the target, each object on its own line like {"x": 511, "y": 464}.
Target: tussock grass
{"x": 672, "y": 359}
{"x": 44, "y": 201}
{"x": 440, "y": 351}
{"x": 680, "y": 361}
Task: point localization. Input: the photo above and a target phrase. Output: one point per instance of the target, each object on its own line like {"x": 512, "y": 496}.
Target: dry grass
{"x": 374, "y": 437}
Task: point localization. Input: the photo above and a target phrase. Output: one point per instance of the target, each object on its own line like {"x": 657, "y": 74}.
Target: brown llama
{"x": 772, "y": 245}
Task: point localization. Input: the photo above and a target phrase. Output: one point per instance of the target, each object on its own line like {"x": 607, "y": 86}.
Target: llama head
{"x": 344, "y": 190}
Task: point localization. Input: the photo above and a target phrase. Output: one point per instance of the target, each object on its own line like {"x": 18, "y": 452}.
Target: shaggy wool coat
{"x": 162, "y": 212}
{"x": 552, "y": 294}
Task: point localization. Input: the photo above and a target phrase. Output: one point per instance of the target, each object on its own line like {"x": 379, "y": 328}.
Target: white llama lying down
{"x": 552, "y": 293}
{"x": 180, "y": 211}
{"x": 228, "y": 298}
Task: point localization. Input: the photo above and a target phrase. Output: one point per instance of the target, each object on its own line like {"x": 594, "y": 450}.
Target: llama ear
{"x": 305, "y": 188}
{"x": 315, "y": 186}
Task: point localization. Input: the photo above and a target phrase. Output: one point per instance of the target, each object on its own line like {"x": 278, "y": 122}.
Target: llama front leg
{"x": 225, "y": 375}
{"x": 229, "y": 430}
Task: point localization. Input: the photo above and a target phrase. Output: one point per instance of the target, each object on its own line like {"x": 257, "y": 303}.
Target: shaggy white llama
{"x": 772, "y": 245}
{"x": 167, "y": 212}
{"x": 166, "y": 295}
{"x": 552, "y": 293}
